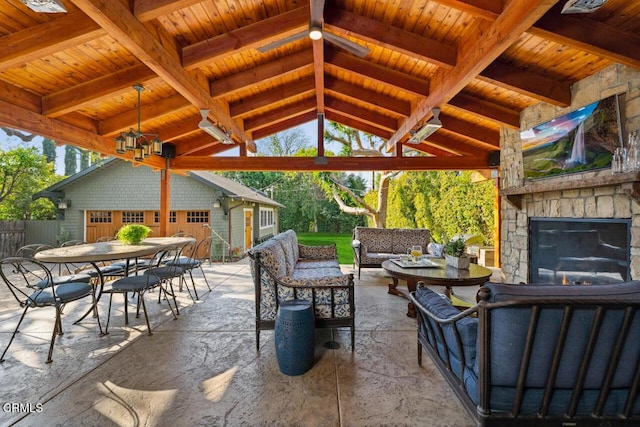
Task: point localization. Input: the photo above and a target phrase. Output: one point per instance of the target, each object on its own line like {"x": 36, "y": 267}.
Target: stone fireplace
{"x": 598, "y": 195}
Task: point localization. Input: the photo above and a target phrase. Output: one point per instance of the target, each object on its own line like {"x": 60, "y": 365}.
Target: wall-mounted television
{"x": 579, "y": 141}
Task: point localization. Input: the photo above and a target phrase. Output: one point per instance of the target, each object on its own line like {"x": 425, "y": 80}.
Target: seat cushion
{"x": 467, "y": 327}
{"x": 67, "y": 278}
{"x": 165, "y": 272}
{"x": 64, "y": 293}
{"x": 135, "y": 283}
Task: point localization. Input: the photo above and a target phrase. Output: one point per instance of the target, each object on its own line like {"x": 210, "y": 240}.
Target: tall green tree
{"x": 49, "y": 150}
{"x": 70, "y": 160}
{"x": 23, "y": 172}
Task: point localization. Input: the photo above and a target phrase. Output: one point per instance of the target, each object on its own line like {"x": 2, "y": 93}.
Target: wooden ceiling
{"x": 70, "y": 76}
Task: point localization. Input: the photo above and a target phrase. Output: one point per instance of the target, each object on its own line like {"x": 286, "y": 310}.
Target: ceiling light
{"x": 213, "y": 130}
{"x": 136, "y": 141}
{"x": 45, "y": 6}
{"x": 428, "y": 129}
{"x": 315, "y": 32}
{"x": 582, "y": 6}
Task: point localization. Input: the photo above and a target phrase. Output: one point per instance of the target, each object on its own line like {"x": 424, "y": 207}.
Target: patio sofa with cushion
{"x": 539, "y": 354}
{"x": 373, "y": 246}
{"x": 282, "y": 269}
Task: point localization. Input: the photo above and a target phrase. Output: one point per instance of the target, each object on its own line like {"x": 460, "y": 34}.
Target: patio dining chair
{"x": 22, "y": 276}
{"x": 138, "y": 285}
{"x": 165, "y": 267}
{"x": 194, "y": 258}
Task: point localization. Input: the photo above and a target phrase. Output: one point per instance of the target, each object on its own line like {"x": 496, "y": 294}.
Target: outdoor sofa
{"x": 282, "y": 269}
{"x": 373, "y": 246}
{"x": 547, "y": 355}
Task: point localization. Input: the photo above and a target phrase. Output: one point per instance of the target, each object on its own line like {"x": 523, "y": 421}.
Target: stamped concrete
{"x": 203, "y": 369}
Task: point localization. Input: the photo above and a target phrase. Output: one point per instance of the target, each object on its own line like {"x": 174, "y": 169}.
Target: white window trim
{"x": 273, "y": 218}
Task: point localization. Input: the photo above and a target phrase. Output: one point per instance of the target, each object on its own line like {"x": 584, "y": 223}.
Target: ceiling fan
{"x": 316, "y": 32}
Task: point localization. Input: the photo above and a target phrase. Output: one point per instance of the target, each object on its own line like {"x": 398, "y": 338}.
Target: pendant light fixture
{"x": 136, "y": 141}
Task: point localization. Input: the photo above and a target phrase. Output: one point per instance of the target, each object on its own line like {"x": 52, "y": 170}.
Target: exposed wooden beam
{"x": 515, "y": 19}
{"x": 148, "y": 111}
{"x": 385, "y": 102}
{"x": 445, "y": 142}
{"x": 357, "y": 124}
{"x": 120, "y": 24}
{"x": 362, "y": 114}
{"x": 146, "y": 10}
{"x": 483, "y": 135}
{"x": 284, "y": 125}
{"x": 246, "y": 37}
{"x": 485, "y": 9}
{"x": 302, "y": 164}
{"x": 183, "y": 128}
{"x": 377, "y": 73}
{"x": 196, "y": 144}
{"x": 424, "y": 148}
{"x": 589, "y": 35}
{"x": 263, "y": 73}
{"x": 391, "y": 37}
{"x": 103, "y": 88}
{"x": 45, "y": 39}
{"x": 498, "y": 114}
{"x": 318, "y": 73}
{"x": 63, "y": 133}
{"x": 254, "y": 103}
{"x": 280, "y": 114}
{"x": 534, "y": 85}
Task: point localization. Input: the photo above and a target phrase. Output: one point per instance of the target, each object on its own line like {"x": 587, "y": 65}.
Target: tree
{"x": 70, "y": 160}
{"x": 23, "y": 172}
{"x": 286, "y": 143}
{"x": 355, "y": 142}
{"x": 49, "y": 150}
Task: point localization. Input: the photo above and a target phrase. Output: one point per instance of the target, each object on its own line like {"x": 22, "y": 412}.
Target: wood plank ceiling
{"x": 70, "y": 76}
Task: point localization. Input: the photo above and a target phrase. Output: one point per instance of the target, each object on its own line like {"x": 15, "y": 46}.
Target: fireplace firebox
{"x": 579, "y": 251}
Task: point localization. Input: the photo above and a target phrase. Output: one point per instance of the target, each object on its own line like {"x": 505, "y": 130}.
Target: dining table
{"x": 112, "y": 250}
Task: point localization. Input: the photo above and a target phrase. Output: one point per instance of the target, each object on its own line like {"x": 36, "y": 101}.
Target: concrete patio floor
{"x": 203, "y": 369}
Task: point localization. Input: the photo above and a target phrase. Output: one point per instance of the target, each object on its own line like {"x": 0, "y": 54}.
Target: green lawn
{"x": 342, "y": 241}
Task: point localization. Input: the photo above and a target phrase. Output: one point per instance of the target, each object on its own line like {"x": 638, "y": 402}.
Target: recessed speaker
{"x": 168, "y": 150}
{"x": 494, "y": 158}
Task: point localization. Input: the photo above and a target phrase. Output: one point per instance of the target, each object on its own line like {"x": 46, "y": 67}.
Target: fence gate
{"x": 11, "y": 237}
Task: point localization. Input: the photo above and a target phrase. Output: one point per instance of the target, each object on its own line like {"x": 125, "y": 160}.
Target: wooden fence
{"x": 14, "y": 234}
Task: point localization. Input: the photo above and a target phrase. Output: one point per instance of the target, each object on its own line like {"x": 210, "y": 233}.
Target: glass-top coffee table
{"x": 436, "y": 273}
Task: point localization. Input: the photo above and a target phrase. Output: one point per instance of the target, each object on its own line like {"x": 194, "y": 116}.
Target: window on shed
{"x": 197, "y": 216}
{"x": 132, "y": 217}
{"x": 266, "y": 218}
{"x": 100, "y": 217}
{"x": 172, "y": 217}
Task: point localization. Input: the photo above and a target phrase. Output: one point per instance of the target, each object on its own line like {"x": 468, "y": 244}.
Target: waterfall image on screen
{"x": 581, "y": 140}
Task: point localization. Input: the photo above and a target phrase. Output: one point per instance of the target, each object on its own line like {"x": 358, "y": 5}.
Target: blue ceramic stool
{"x": 295, "y": 335}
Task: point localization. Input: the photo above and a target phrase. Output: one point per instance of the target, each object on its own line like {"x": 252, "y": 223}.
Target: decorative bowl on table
{"x": 133, "y": 234}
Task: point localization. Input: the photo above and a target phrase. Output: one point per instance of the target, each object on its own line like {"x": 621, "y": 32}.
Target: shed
{"x": 97, "y": 201}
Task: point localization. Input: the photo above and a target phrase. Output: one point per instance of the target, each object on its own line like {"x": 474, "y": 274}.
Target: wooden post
{"x": 165, "y": 201}
{"x": 320, "y": 135}
{"x": 497, "y": 220}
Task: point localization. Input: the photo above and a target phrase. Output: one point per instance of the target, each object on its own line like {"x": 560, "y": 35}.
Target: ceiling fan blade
{"x": 276, "y": 44}
{"x": 348, "y": 45}
{"x": 317, "y": 11}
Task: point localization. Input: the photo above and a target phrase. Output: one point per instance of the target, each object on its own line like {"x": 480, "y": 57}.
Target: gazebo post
{"x": 165, "y": 200}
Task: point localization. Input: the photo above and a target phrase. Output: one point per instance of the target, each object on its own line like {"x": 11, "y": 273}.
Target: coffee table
{"x": 439, "y": 274}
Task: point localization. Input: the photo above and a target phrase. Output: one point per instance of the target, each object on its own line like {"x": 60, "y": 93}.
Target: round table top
{"x": 109, "y": 251}
{"x": 440, "y": 273}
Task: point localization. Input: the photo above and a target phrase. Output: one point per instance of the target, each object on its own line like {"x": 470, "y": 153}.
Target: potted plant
{"x": 455, "y": 255}
{"x": 132, "y": 234}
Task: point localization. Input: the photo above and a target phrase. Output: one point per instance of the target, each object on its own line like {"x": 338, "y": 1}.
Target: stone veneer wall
{"x": 598, "y": 202}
